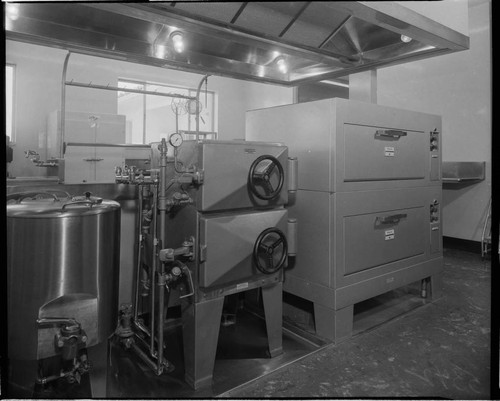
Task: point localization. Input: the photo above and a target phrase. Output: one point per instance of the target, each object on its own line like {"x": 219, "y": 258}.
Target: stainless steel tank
{"x": 63, "y": 257}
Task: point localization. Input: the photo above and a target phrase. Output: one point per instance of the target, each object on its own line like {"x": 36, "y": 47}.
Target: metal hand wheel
{"x": 261, "y": 177}
{"x": 270, "y": 250}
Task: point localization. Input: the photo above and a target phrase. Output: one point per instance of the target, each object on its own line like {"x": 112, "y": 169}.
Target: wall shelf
{"x": 463, "y": 172}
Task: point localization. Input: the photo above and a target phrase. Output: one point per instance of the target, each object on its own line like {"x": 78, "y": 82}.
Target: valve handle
{"x": 261, "y": 177}
{"x": 187, "y": 272}
{"x": 270, "y": 241}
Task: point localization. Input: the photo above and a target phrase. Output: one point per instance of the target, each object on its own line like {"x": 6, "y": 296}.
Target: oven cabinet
{"x": 228, "y": 170}
{"x": 345, "y": 145}
{"x": 356, "y": 245}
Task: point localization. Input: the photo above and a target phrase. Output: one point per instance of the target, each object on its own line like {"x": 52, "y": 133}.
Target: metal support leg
{"x": 201, "y": 323}
{"x": 334, "y": 325}
{"x": 272, "y": 298}
{"x": 98, "y": 355}
{"x": 436, "y": 289}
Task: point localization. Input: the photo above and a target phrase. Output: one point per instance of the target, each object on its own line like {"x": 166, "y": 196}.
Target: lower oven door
{"x": 229, "y": 247}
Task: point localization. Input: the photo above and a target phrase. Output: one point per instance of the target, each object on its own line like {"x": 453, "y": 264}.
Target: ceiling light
{"x": 282, "y": 65}
{"x": 178, "y": 41}
{"x": 160, "y": 51}
{"x": 12, "y": 11}
{"x": 405, "y": 39}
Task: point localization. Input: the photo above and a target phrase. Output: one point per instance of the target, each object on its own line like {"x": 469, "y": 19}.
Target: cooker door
{"x": 242, "y": 175}
{"x": 241, "y": 248}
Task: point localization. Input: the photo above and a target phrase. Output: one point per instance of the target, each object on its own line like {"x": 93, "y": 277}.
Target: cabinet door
{"x": 78, "y": 164}
{"x": 107, "y": 158}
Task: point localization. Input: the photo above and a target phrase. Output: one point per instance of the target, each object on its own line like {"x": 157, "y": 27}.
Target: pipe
{"x": 117, "y": 89}
{"x": 63, "y": 104}
{"x": 139, "y": 256}
{"x": 109, "y": 145}
{"x": 162, "y": 207}
{"x": 205, "y": 78}
{"x": 144, "y": 356}
{"x": 153, "y": 269}
{"x": 161, "y": 320}
{"x": 143, "y": 328}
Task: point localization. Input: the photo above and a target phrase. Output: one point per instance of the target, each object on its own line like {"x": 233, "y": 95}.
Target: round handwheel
{"x": 270, "y": 250}
{"x": 266, "y": 177}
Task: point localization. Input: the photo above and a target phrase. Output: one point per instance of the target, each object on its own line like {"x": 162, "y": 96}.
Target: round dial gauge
{"x": 175, "y": 140}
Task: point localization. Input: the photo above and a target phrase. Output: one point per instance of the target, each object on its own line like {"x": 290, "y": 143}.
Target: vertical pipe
{"x": 205, "y": 78}
{"x": 153, "y": 270}
{"x": 139, "y": 256}
{"x": 162, "y": 198}
{"x": 63, "y": 104}
{"x": 161, "y": 311}
{"x": 162, "y": 207}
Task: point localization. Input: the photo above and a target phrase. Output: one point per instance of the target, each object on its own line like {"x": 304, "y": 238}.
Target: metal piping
{"x": 153, "y": 270}
{"x": 139, "y": 256}
{"x": 63, "y": 104}
{"x": 205, "y": 78}
{"x": 162, "y": 207}
{"x": 117, "y": 89}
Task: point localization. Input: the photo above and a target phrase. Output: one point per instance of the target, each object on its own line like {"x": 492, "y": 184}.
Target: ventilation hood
{"x": 286, "y": 43}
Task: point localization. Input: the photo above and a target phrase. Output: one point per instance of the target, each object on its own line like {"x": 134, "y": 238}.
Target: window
{"x": 152, "y": 117}
{"x": 9, "y": 101}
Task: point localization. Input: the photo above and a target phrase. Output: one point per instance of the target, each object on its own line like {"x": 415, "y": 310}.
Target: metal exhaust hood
{"x": 286, "y": 43}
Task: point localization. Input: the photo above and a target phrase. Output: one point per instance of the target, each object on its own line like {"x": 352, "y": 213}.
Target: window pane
{"x": 151, "y": 117}
{"x": 164, "y": 113}
{"x": 206, "y": 108}
{"x": 132, "y": 106}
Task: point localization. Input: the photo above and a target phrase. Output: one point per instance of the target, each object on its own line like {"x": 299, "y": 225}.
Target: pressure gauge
{"x": 175, "y": 140}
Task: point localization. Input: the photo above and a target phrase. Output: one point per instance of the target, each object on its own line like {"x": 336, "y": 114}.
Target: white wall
{"x": 457, "y": 87}
{"x": 38, "y": 92}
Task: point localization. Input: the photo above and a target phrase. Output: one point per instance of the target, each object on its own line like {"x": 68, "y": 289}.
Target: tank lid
{"x": 47, "y": 204}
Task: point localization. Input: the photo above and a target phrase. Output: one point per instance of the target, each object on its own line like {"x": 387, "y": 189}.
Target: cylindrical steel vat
{"x": 63, "y": 260}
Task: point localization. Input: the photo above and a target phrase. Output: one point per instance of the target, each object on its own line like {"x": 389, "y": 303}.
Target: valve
{"x": 434, "y": 211}
{"x": 259, "y": 176}
{"x": 269, "y": 243}
{"x": 124, "y": 329}
{"x": 179, "y": 199}
{"x": 170, "y": 254}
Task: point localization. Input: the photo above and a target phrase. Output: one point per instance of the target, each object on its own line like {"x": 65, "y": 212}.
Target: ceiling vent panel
{"x": 315, "y": 25}
{"x": 268, "y": 18}
{"x": 223, "y": 12}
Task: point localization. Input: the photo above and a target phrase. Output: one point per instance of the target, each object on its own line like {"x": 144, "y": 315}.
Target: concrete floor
{"x": 441, "y": 349}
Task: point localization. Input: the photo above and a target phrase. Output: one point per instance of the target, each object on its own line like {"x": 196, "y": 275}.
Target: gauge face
{"x": 176, "y": 140}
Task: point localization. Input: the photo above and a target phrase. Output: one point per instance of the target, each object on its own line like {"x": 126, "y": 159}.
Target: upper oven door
{"x": 241, "y": 174}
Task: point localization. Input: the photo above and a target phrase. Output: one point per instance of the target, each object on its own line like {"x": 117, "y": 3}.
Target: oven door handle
{"x": 393, "y": 219}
